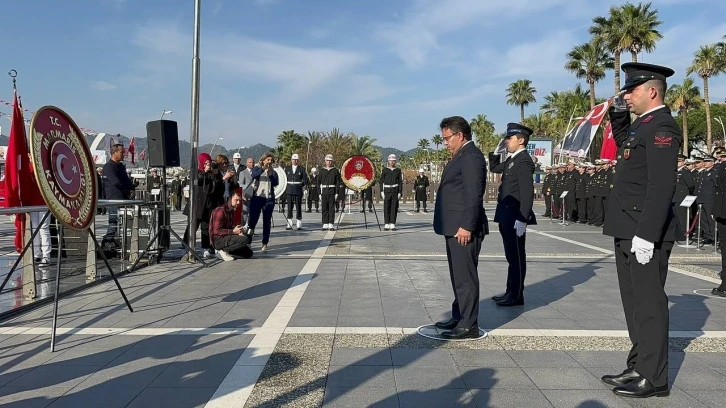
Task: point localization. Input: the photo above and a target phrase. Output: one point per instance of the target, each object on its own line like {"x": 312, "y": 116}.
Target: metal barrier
{"x": 32, "y": 284}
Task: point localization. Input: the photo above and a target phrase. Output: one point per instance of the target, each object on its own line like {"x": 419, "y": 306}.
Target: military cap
{"x": 605, "y": 161}
{"x": 697, "y": 159}
{"x": 637, "y": 73}
{"x": 719, "y": 151}
{"x": 516, "y": 128}
{"x": 708, "y": 158}
{"x": 598, "y": 162}
{"x": 690, "y": 161}
{"x": 681, "y": 156}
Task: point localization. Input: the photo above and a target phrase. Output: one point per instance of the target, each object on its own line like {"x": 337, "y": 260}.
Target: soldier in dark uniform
{"x": 599, "y": 192}
{"x": 153, "y": 182}
{"x": 589, "y": 188}
{"x": 547, "y": 191}
{"x": 420, "y": 185}
{"x": 684, "y": 187}
{"x": 367, "y": 197}
{"x": 581, "y": 194}
{"x": 570, "y": 185}
{"x": 313, "y": 190}
{"x": 176, "y": 192}
{"x": 340, "y": 201}
{"x": 329, "y": 181}
{"x": 641, "y": 220}
{"x": 391, "y": 188}
{"x": 297, "y": 180}
{"x": 719, "y": 214}
{"x": 608, "y": 184}
{"x": 706, "y": 192}
{"x": 514, "y": 209}
{"x": 557, "y": 189}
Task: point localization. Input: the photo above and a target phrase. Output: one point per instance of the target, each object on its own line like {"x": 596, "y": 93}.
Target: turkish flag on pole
{"x": 609, "y": 149}
{"x": 17, "y": 171}
{"x": 132, "y": 148}
{"x": 142, "y": 156}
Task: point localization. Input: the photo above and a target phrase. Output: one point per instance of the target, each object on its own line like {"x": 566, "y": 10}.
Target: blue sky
{"x": 389, "y": 69}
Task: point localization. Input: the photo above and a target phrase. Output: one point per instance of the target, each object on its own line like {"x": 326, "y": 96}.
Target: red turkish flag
{"x": 131, "y": 149}
{"x": 609, "y": 149}
{"x": 18, "y": 171}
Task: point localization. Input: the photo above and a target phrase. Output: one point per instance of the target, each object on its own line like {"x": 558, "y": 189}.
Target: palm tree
{"x": 540, "y": 123}
{"x": 338, "y": 144}
{"x": 483, "y": 130}
{"x": 521, "y": 93}
{"x": 437, "y": 140}
{"x": 707, "y": 63}
{"x": 639, "y": 25}
{"x": 682, "y": 98}
{"x": 589, "y": 61}
{"x": 423, "y": 144}
{"x": 608, "y": 31}
{"x": 290, "y": 142}
{"x": 363, "y": 145}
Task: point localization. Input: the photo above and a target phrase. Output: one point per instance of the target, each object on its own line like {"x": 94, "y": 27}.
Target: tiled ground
{"x": 327, "y": 319}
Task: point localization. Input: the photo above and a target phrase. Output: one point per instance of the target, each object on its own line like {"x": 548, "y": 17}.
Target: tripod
{"x": 164, "y": 226}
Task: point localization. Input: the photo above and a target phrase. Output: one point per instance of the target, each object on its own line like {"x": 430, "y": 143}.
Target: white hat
{"x": 391, "y": 157}
{"x": 295, "y": 157}
{"x": 314, "y": 170}
{"x": 237, "y": 156}
{"x": 329, "y": 157}
{"x": 420, "y": 170}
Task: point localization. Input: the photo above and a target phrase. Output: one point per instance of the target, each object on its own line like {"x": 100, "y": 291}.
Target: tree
{"x": 338, "y": 144}
{"x": 639, "y": 25}
{"x": 707, "y": 63}
{"x": 521, "y": 93}
{"x": 483, "y": 130}
{"x": 562, "y": 106}
{"x": 589, "y": 61}
{"x": 289, "y": 142}
{"x": 423, "y": 144}
{"x": 682, "y": 98}
{"x": 608, "y": 31}
{"x": 697, "y": 124}
{"x": 363, "y": 145}
{"x": 541, "y": 124}
{"x": 437, "y": 140}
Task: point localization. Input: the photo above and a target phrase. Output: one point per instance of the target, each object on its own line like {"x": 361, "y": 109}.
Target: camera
{"x": 215, "y": 166}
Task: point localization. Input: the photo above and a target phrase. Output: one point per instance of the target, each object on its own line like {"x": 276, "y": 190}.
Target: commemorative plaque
{"x": 358, "y": 172}
{"x": 63, "y": 167}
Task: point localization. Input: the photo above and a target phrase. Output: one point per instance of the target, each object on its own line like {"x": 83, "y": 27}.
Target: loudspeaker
{"x": 163, "y": 143}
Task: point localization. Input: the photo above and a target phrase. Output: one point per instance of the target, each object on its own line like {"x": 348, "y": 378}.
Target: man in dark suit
{"x": 640, "y": 218}
{"x": 459, "y": 217}
{"x": 514, "y": 209}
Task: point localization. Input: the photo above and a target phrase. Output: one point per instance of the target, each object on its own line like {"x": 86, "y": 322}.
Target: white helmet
{"x": 314, "y": 170}
{"x": 420, "y": 170}
{"x": 237, "y": 156}
{"x": 329, "y": 157}
{"x": 295, "y": 157}
{"x": 391, "y": 157}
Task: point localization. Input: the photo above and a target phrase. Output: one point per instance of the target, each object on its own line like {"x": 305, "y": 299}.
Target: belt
{"x": 328, "y": 186}
{"x": 294, "y": 182}
{"x": 390, "y": 185}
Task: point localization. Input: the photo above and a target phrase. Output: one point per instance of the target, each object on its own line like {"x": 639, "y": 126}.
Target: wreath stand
{"x": 362, "y": 160}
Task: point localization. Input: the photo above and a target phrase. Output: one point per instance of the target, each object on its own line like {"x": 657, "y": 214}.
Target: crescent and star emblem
{"x": 60, "y": 167}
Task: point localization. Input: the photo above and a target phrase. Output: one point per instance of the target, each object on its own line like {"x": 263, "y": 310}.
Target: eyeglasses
{"x": 446, "y": 138}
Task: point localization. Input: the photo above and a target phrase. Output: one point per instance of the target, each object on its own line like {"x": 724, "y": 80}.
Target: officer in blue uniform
{"x": 643, "y": 224}
{"x": 514, "y": 209}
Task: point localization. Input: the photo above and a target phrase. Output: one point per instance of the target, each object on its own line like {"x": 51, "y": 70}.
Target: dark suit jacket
{"x": 516, "y": 191}
{"x": 460, "y": 197}
{"x": 640, "y": 201}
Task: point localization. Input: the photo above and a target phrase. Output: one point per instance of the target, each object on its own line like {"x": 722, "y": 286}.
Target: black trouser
{"x": 463, "y": 263}
{"x": 598, "y": 214}
{"x": 420, "y": 197}
{"x": 316, "y": 200}
{"x": 548, "y": 205}
{"x": 646, "y": 308}
{"x": 707, "y": 224}
{"x": 682, "y": 214}
{"x": 590, "y": 208}
{"x": 570, "y": 205}
{"x": 328, "y": 204}
{"x": 235, "y": 245}
{"x": 581, "y": 209}
{"x": 514, "y": 251}
{"x": 721, "y": 227}
{"x": 203, "y": 226}
{"x": 556, "y": 206}
{"x": 390, "y": 207}
{"x": 294, "y": 200}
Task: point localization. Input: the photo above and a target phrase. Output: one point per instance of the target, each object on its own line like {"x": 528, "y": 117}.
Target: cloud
{"x": 103, "y": 86}
{"x": 117, "y": 4}
{"x": 413, "y": 38}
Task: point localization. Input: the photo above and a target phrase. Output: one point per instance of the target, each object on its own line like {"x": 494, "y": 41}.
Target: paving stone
{"x": 339, "y": 397}
{"x": 559, "y": 378}
{"x": 361, "y": 357}
{"x": 505, "y": 398}
{"x": 173, "y": 397}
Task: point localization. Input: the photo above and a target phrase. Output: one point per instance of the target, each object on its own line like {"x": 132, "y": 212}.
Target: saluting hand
{"x": 463, "y": 236}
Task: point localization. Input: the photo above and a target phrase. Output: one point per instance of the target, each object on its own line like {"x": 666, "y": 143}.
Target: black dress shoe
{"x": 460, "y": 333}
{"x": 511, "y": 301}
{"x": 718, "y": 292}
{"x": 620, "y": 379}
{"x": 501, "y": 297}
{"x": 641, "y": 388}
{"x": 447, "y": 324}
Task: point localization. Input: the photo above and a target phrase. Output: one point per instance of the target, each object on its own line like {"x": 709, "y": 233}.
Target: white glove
{"x": 642, "y": 249}
{"x": 383, "y": 195}
{"x": 399, "y": 196}
{"x": 336, "y": 197}
{"x": 521, "y": 227}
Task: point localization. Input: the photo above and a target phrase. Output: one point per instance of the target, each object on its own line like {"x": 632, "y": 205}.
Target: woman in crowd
{"x": 206, "y": 201}
{"x": 265, "y": 180}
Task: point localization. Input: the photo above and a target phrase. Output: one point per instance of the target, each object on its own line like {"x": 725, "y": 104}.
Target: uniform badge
{"x": 647, "y": 118}
{"x": 626, "y": 154}
{"x": 511, "y": 165}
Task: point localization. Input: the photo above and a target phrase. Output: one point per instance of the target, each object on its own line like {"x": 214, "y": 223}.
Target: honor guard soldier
{"x": 514, "y": 209}
{"x": 684, "y": 187}
{"x": 329, "y": 181}
{"x": 641, "y": 220}
{"x": 313, "y": 188}
{"x": 581, "y": 194}
{"x": 391, "y": 187}
{"x": 153, "y": 183}
{"x": 570, "y": 185}
{"x": 547, "y": 191}
{"x": 297, "y": 180}
{"x": 420, "y": 185}
{"x": 706, "y": 193}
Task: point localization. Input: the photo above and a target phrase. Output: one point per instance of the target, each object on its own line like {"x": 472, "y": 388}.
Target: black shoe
{"x": 425, "y": 210}
{"x": 369, "y": 210}
{"x": 718, "y": 292}
{"x": 499, "y": 298}
{"x": 447, "y": 324}
{"x": 461, "y": 333}
{"x": 362, "y": 211}
{"x": 288, "y": 228}
{"x": 511, "y": 301}
{"x": 620, "y": 379}
{"x": 641, "y": 388}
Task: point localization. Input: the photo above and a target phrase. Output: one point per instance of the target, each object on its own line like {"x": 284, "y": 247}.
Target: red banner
{"x": 609, "y": 149}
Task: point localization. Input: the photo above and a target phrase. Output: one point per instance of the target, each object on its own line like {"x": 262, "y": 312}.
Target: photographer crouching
{"x": 228, "y": 239}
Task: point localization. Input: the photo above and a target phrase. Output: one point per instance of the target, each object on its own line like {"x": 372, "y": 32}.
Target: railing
{"x": 32, "y": 284}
